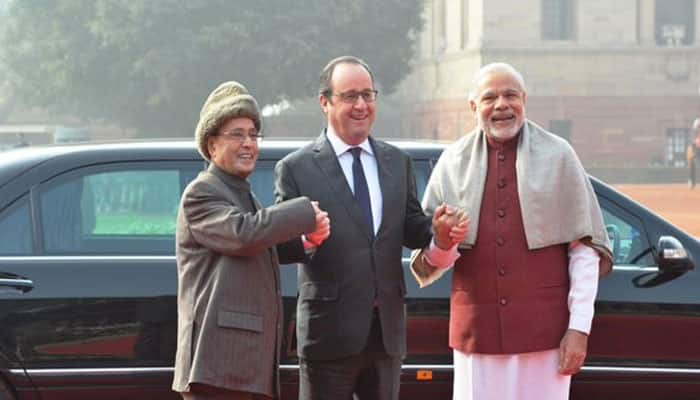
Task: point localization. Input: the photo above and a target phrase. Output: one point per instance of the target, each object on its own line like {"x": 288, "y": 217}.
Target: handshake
{"x": 449, "y": 226}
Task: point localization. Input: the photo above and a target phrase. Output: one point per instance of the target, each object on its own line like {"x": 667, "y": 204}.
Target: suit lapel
{"x": 387, "y": 181}
{"x": 328, "y": 163}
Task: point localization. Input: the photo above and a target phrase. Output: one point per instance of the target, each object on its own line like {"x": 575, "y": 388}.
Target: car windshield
{"x": 618, "y": 80}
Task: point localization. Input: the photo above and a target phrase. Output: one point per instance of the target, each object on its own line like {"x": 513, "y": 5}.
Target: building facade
{"x": 618, "y": 79}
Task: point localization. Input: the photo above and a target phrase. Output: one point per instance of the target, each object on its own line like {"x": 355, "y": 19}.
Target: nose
{"x": 501, "y": 102}
{"x": 248, "y": 141}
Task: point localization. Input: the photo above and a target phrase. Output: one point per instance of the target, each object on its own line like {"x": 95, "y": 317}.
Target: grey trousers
{"x": 370, "y": 375}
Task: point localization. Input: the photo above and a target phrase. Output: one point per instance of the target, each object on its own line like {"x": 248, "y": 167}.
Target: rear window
{"x": 116, "y": 209}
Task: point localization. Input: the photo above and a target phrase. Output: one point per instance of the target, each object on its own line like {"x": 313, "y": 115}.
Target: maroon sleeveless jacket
{"x": 505, "y": 298}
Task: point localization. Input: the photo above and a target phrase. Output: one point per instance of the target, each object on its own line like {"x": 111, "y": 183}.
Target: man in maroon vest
{"x": 525, "y": 276}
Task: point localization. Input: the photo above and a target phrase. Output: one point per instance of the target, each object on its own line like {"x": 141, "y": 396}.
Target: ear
{"x": 472, "y": 106}
{"x": 211, "y": 146}
{"x": 323, "y": 101}
{"x": 524, "y": 99}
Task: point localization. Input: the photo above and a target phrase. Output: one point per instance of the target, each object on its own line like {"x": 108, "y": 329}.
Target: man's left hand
{"x": 572, "y": 352}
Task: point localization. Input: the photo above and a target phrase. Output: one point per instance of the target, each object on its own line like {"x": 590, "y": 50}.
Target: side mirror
{"x": 672, "y": 256}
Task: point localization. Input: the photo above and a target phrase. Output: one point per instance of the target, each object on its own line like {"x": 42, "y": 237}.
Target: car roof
{"x": 16, "y": 161}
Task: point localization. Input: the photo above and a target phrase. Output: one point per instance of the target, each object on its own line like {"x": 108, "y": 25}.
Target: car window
{"x": 15, "y": 228}
{"x": 421, "y": 170}
{"x": 119, "y": 210}
{"x": 627, "y": 236}
{"x": 262, "y": 182}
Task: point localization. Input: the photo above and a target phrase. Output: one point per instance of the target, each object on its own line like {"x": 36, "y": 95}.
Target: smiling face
{"x": 352, "y": 122}
{"x": 499, "y": 105}
{"x": 229, "y": 153}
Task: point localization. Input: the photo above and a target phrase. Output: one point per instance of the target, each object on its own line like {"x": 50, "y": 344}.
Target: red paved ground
{"x": 677, "y": 203}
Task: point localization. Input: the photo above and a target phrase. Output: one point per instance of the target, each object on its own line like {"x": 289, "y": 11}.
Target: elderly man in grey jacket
{"x": 229, "y": 304}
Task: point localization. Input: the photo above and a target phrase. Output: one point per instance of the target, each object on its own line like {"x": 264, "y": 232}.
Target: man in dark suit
{"x": 350, "y": 311}
{"x": 229, "y": 304}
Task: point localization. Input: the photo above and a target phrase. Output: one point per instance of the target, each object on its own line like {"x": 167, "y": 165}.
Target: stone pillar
{"x": 646, "y": 26}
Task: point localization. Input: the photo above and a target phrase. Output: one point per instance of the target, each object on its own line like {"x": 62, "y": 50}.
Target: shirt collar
{"x": 340, "y": 147}
{"x": 230, "y": 180}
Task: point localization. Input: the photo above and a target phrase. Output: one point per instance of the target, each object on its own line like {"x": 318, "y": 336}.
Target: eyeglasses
{"x": 369, "y": 96}
{"x": 241, "y": 137}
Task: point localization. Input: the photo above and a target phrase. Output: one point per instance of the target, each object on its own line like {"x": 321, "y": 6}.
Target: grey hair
{"x": 696, "y": 123}
{"x": 496, "y": 67}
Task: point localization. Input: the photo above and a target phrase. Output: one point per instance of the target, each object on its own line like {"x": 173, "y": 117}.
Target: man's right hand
{"x": 323, "y": 226}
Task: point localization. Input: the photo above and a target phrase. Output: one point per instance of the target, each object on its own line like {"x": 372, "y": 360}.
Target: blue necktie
{"x": 361, "y": 189}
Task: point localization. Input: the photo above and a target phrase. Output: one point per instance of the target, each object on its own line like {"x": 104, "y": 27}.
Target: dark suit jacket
{"x": 229, "y": 304}
{"x": 338, "y": 285}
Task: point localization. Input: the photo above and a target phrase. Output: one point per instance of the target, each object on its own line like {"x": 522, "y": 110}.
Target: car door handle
{"x": 18, "y": 284}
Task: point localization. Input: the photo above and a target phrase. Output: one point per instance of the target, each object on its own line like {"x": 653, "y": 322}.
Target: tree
{"x": 149, "y": 65}
{"x": 6, "y": 103}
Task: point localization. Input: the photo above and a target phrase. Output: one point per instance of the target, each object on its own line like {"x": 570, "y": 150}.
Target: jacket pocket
{"x": 318, "y": 291}
{"x": 239, "y": 320}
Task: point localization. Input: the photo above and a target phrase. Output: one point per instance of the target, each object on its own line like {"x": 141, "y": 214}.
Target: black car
{"x": 88, "y": 283}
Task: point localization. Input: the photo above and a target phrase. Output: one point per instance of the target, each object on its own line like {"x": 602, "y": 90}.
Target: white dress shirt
{"x": 369, "y": 166}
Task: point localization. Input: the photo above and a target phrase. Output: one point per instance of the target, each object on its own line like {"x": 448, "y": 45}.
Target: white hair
{"x": 496, "y": 67}
{"x": 696, "y": 123}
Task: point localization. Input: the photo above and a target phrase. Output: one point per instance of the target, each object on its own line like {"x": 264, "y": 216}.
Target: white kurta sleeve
{"x": 583, "y": 276}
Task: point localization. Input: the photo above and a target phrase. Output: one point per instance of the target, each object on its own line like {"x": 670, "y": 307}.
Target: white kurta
{"x": 527, "y": 376}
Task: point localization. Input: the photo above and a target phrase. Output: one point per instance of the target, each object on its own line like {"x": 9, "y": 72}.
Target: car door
{"x": 644, "y": 340}
{"x": 100, "y": 321}
{"x": 427, "y": 368}
{"x": 15, "y": 241}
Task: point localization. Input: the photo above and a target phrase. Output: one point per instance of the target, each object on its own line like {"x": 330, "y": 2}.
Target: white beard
{"x": 501, "y": 134}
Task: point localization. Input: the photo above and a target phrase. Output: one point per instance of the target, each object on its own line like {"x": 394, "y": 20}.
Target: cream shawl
{"x": 557, "y": 200}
